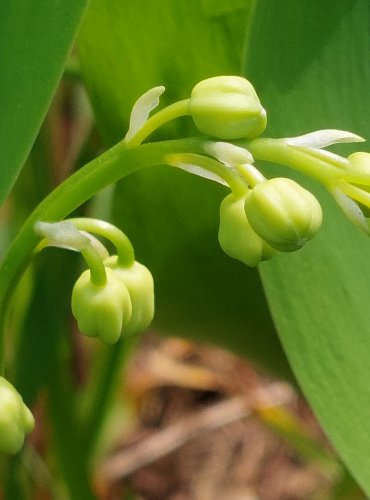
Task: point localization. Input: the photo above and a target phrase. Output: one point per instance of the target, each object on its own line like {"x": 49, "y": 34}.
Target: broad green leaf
{"x": 311, "y": 67}
{"x": 35, "y": 38}
{"x": 171, "y": 216}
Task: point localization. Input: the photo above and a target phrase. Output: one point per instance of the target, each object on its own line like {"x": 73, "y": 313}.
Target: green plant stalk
{"x": 312, "y": 164}
{"x": 175, "y": 110}
{"x": 355, "y": 193}
{"x": 72, "y": 461}
{"x": 102, "y": 387}
{"x": 96, "y": 266}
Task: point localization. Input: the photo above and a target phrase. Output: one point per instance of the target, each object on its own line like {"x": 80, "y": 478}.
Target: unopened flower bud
{"x": 283, "y": 213}
{"x": 139, "y": 282}
{"x": 236, "y": 237}
{"x": 16, "y": 420}
{"x": 360, "y": 162}
{"x": 227, "y": 107}
{"x": 101, "y": 311}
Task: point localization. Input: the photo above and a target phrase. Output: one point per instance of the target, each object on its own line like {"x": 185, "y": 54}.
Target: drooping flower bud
{"x": 227, "y": 107}
{"x": 101, "y": 311}
{"x": 283, "y": 213}
{"x": 16, "y": 420}
{"x": 139, "y": 282}
{"x": 236, "y": 237}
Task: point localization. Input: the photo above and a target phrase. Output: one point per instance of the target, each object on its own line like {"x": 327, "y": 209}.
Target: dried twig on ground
{"x": 173, "y": 437}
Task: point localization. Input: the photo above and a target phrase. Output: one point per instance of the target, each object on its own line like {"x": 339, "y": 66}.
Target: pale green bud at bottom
{"x": 139, "y": 282}
{"x": 283, "y": 213}
{"x": 101, "y": 310}
{"x": 16, "y": 420}
{"x": 236, "y": 237}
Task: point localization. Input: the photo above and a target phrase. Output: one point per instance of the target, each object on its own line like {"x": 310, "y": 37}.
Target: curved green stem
{"x": 327, "y": 156}
{"x": 180, "y": 108}
{"x": 123, "y": 159}
{"x": 314, "y": 164}
{"x": 355, "y": 193}
{"x": 98, "y": 275}
{"x": 125, "y": 250}
{"x": 111, "y": 166}
{"x": 251, "y": 174}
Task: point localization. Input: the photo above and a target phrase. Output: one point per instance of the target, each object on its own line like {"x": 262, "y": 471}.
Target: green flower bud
{"x": 283, "y": 213}
{"x": 227, "y": 107}
{"x": 237, "y": 238}
{"x": 360, "y": 162}
{"x": 16, "y": 420}
{"x": 101, "y": 310}
{"x": 139, "y": 282}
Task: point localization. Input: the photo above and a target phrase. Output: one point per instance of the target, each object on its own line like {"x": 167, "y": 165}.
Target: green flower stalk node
{"x": 16, "y": 420}
{"x": 283, "y": 213}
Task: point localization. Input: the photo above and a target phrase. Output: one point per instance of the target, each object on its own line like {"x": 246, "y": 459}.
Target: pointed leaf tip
{"x": 323, "y": 138}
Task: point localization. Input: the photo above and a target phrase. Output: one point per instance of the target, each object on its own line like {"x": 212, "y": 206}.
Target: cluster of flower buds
{"x": 261, "y": 216}
{"x": 124, "y": 304}
{"x": 276, "y": 215}
{"x": 115, "y": 295}
{"x": 16, "y": 420}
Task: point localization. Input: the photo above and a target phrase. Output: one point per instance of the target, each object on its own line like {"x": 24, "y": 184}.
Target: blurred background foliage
{"x": 311, "y": 68}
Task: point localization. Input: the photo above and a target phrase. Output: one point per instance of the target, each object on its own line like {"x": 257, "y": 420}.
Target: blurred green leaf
{"x": 172, "y": 217}
{"x": 311, "y": 66}
{"x": 128, "y": 47}
{"x": 35, "y": 38}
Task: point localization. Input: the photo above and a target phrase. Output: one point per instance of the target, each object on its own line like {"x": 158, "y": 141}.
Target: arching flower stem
{"x": 125, "y": 250}
{"x": 165, "y": 115}
{"x": 114, "y": 164}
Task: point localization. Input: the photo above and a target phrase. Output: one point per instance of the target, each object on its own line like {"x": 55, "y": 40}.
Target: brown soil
{"x": 208, "y": 427}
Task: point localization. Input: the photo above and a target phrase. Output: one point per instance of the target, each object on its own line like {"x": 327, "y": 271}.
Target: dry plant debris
{"x": 200, "y": 434}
